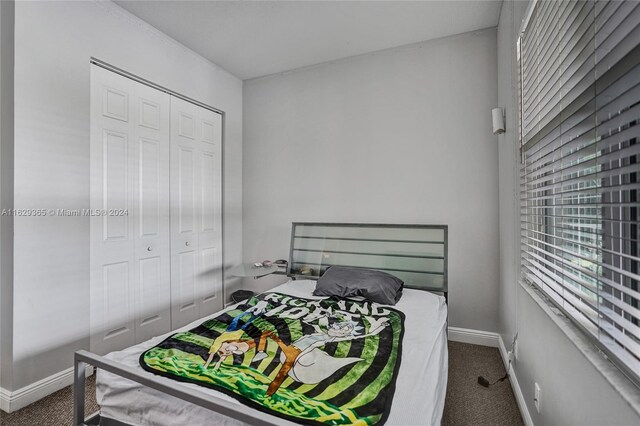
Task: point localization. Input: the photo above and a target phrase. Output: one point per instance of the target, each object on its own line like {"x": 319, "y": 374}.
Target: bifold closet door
{"x": 129, "y": 224}
{"x": 196, "y": 202}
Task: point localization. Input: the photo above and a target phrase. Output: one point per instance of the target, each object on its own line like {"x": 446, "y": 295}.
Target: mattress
{"x": 420, "y": 387}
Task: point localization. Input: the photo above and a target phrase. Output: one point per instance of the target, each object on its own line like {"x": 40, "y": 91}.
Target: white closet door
{"x": 152, "y": 236}
{"x": 130, "y": 287}
{"x": 210, "y": 217}
{"x": 112, "y": 268}
{"x": 196, "y": 238}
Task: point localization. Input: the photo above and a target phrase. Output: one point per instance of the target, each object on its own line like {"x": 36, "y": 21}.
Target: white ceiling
{"x": 257, "y": 38}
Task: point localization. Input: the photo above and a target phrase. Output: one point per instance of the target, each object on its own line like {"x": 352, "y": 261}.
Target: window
{"x": 579, "y": 64}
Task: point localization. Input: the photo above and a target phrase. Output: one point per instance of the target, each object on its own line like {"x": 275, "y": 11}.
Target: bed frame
{"x": 417, "y": 254}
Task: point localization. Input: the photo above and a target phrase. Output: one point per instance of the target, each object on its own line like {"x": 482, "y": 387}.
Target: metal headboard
{"x": 417, "y": 254}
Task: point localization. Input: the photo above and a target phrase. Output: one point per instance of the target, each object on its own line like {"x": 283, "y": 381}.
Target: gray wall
{"x": 573, "y": 391}
{"x": 399, "y": 136}
{"x": 54, "y": 42}
{"x": 7, "y": 14}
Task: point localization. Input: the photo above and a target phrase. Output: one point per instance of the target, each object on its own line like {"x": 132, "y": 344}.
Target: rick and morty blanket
{"x": 331, "y": 361}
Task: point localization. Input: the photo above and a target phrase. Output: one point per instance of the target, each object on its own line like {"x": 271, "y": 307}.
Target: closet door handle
{"x": 187, "y": 244}
{"x": 149, "y": 248}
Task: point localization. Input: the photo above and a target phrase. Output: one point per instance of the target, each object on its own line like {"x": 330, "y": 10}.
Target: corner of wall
{"x": 515, "y": 385}
{"x": 7, "y": 38}
{"x": 508, "y": 171}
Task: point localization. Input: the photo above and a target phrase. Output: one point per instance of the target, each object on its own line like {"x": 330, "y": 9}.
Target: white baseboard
{"x": 513, "y": 379}
{"x": 13, "y": 401}
{"x": 5, "y": 397}
{"x": 474, "y": 337}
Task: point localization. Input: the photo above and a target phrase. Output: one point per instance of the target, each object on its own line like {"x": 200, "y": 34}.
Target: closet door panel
{"x": 212, "y": 128}
{"x": 150, "y": 113}
{"x": 130, "y": 257}
{"x": 117, "y": 305}
{"x": 112, "y": 271}
{"x": 185, "y": 240}
{"x": 116, "y": 186}
{"x": 210, "y": 280}
{"x": 115, "y": 102}
{"x": 209, "y": 207}
{"x": 196, "y": 137}
{"x": 188, "y": 291}
{"x": 186, "y": 207}
{"x": 186, "y": 119}
{"x": 210, "y": 214}
{"x": 150, "y": 188}
{"x": 152, "y": 237}
{"x": 150, "y": 274}
{"x": 184, "y": 210}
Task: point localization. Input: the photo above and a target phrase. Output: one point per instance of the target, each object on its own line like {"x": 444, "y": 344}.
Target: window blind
{"x": 579, "y": 122}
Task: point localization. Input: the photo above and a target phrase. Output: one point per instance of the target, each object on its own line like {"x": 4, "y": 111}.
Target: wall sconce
{"x": 498, "y": 121}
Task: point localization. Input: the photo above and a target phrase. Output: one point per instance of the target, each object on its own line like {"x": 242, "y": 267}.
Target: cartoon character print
{"x": 302, "y": 360}
{"x": 229, "y": 342}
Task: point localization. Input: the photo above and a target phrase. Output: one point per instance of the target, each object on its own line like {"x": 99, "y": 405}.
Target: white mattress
{"x": 420, "y": 387}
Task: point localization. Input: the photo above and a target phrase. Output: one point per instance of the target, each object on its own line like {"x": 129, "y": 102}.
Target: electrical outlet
{"x": 536, "y": 396}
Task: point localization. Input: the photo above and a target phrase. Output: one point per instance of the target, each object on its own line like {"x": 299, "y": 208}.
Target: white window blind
{"x": 580, "y": 134}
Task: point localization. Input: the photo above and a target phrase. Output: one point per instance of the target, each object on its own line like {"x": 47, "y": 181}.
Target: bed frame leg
{"x": 78, "y": 391}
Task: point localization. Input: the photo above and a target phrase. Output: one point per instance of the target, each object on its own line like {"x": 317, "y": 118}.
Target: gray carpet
{"x": 467, "y": 402}
{"x": 55, "y": 410}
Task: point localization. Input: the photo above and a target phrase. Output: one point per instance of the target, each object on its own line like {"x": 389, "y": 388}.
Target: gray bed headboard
{"x": 417, "y": 254}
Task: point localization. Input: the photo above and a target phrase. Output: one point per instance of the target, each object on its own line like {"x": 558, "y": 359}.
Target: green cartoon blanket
{"x": 331, "y": 361}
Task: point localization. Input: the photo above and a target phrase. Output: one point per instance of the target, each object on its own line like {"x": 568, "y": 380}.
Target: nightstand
{"x": 250, "y": 270}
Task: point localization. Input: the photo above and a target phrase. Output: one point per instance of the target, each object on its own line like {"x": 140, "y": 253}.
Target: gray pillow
{"x": 346, "y": 281}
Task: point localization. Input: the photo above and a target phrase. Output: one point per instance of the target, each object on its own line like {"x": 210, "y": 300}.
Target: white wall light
{"x": 498, "y": 120}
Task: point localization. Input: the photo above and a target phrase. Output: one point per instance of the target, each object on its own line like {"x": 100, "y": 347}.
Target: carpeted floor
{"x": 54, "y": 410}
{"x": 467, "y": 402}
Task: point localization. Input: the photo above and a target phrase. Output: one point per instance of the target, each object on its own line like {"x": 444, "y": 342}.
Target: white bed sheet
{"x": 420, "y": 387}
